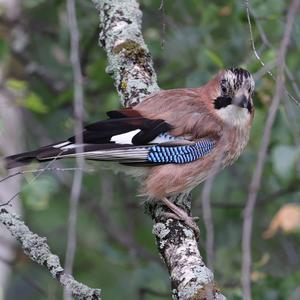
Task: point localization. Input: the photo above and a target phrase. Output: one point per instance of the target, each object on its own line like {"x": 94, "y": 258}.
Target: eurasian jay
{"x": 172, "y": 139}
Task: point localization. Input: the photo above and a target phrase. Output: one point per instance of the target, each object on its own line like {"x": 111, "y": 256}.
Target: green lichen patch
{"x": 123, "y": 85}
{"x": 129, "y": 46}
{"x": 132, "y": 50}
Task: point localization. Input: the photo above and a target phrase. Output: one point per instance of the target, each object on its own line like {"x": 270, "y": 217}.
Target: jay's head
{"x": 234, "y": 103}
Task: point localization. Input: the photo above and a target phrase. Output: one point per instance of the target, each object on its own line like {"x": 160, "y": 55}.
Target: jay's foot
{"x": 180, "y": 214}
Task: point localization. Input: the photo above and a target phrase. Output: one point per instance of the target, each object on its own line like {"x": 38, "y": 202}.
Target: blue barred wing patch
{"x": 180, "y": 154}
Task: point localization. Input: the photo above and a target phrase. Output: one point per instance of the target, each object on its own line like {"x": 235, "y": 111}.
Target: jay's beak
{"x": 241, "y": 101}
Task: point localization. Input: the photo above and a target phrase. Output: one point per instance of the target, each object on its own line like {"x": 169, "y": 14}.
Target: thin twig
{"x": 207, "y": 212}
{"x": 113, "y": 230}
{"x": 297, "y": 101}
{"x": 78, "y": 112}
{"x": 261, "y": 201}
{"x": 10, "y": 138}
{"x": 256, "y": 178}
{"x": 289, "y": 111}
{"x": 206, "y": 207}
{"x": 33, "y": 171}
{"x": 38, "y": 250}
{"x": 163, "y": 23}
{"x": 208, "y": 221}
{"x": 267, "y": 43}
{"x": 35, "y": 177}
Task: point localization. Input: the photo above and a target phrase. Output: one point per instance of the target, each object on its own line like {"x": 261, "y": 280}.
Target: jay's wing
{"x": 125, "y": 126}
{"x": 128, "y": 138}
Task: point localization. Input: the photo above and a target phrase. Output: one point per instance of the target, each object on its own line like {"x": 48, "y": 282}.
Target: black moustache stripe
{"x": 249, "y": 107}
{"x": 221, "y": 102}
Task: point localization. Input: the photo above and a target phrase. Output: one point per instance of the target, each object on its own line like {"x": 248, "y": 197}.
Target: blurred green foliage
{"x": 116, "y": 249}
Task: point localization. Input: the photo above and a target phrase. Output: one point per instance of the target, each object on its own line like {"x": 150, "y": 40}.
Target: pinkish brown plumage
{"x": 192, "y": 114}
{"x": 176, "y": 136}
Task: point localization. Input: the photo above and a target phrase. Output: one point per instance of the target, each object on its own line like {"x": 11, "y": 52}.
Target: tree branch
{"x": 129, "y": 60}
{"x": 130, "y": 64}
{"x": 37, "y": 249}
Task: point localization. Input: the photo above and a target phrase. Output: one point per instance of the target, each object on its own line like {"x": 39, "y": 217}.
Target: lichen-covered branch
{"x": 130, "y": 64}
{"x": 38, "y": 250}
{"x": 190, "y": 278}
{"x": 129, "y": 60}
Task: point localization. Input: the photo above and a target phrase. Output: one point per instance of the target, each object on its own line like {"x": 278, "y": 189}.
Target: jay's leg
{"x": 180, "y": 214}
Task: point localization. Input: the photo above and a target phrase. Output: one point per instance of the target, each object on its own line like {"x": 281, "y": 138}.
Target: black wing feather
{"x": 121, "y": 122}
{"x": 146, "y": 136}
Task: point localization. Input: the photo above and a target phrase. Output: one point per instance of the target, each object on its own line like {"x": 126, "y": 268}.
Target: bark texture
{"x": 130, "y": 64}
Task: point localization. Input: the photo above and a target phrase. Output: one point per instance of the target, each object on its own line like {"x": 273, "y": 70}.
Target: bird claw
{"x": 168, "y": 215}
{"x": 181, "y": 215}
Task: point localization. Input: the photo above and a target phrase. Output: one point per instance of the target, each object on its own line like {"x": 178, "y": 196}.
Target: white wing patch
{"x": 124, "y": 138}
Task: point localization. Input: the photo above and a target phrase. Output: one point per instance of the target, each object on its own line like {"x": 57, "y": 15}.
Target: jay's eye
{"x": 224, "y": 89}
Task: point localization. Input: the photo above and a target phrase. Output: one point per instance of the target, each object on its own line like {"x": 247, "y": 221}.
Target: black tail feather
{"x": 51, "y": 152}
{"x": 98, "y": 137}
{"x": 25, "y": 158}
